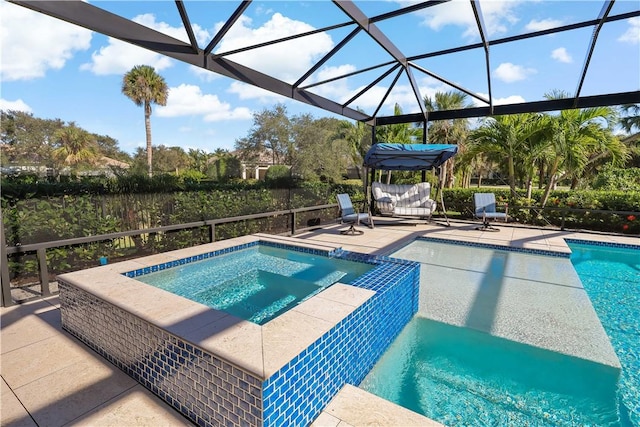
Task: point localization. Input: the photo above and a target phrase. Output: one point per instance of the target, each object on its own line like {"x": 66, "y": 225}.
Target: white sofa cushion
{"x": 407, "y": 199}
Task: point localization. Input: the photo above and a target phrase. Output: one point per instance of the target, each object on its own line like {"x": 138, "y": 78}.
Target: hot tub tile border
{"x": 215, "y": 253}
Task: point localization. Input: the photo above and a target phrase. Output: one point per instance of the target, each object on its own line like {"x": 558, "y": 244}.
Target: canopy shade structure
{"x": 408, "y": 157}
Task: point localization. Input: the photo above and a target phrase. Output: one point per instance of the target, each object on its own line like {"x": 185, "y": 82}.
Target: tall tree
{"x": 108, "y": 147}
{"x": 165, "y": 160}
{"x": 271, "y": 132}
{"x": 630, "y": 120}
{"x": 199, "y": 159}
{"x": 319, "y": 153}
{"x": 75, "y": 146}
{"x": 505, "y": 137}
{"x": 28, "y": 140}
{"x": 144, "y": 86}
{"x": 453, "y": 131}
{"x": 578, "y": 138}
{"x": 402, "y": 133}
{"x": 358, "y": 137}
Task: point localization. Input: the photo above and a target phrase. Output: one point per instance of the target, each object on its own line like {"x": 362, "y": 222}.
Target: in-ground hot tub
{"x": 217, "y": 368}
{"x": 256, "y": 283}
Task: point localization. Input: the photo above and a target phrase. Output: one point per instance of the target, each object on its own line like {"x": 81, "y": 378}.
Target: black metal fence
{"x": 29, "y": 270}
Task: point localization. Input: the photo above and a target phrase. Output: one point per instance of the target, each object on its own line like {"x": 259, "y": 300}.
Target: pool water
{"x": 459, "y": 377}
{"x": 463, "y": 376}
{"x": 258, "y": 283}
{"x": 611, "y": 277}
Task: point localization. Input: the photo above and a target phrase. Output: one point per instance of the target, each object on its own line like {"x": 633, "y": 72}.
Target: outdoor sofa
{"x": 412, "y": 200}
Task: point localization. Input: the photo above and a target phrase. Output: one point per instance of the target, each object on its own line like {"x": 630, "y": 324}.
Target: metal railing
{"x": 565, "y": 212}
{"x": 40, "y": 249}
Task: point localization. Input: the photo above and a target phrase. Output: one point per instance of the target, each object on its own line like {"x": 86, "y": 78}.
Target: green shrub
{"x": 569, "y": 208}
{"x": 278, "y": 176}
{"x": 617, "y": 179}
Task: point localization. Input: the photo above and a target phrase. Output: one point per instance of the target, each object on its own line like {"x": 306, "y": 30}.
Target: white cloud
{"x": 286, "y": 61}
{"x": 118, "y": 57}
{"x": 17, "y": 105}
{"x": 509, "y": 73}
{"x": 560, "y": 54}
{"x": 203, "y": 74}
{"x": 337, "y": 88}
{"x": 246, "y": 91}
{"x": 512, "y": 99}
{"x": 188, "y": 100}
{"x": 498, "y": 15}
{"x": 545, "y": 24}
{"x": 632, "y": 35}
{"x": 33, "y": 43}
{"x": 402, "y": 94}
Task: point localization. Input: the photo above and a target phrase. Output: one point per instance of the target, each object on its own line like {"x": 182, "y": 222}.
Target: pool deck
{"x": 51, "y": 379}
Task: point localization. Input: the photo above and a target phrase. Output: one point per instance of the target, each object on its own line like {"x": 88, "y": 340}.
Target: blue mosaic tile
{"x": 337, "y": 357}
{"x": 605, "y": 244}
{"x": 207, "y": 255}
{"x": 497, "y": 247}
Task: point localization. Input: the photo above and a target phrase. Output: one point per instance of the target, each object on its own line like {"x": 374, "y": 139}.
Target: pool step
{"x": 357, "y": 407}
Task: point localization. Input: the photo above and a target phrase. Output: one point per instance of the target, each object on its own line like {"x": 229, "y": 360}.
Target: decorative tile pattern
{"x": 211, "y": 391}
{"x": 605, "y": 244}
{"x": 296, "y": 394}
{"x": 498, "y": 247}
{"x": 207, "y": 255}
{"x": 203, "y": 387}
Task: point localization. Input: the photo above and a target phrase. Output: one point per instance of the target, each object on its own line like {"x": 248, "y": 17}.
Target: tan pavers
{"x": 31, "y": 362}
{"x": 325, "y": 309}
{"x": 12, "y": 413}
{"x": 135, "y": 407}
{"x": 57, "y": 384}
{"x": 360, "y": 408}
{"x": 235, "y": 340}
{"x": 67, "y": 393}
{"x": 26, "y": 324}
{"x": 287, "y": 335}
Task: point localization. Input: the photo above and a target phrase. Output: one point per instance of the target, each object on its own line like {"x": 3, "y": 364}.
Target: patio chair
{"x": 349, "y": 215}
{"x": 484, "y": 205}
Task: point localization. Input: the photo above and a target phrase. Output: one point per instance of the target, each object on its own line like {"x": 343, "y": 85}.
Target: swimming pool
{"x": 500, "y": 338}
{"x": 257, "y": 283}
{"x": 611, "y": 276}
{"x": 461, "y": 377}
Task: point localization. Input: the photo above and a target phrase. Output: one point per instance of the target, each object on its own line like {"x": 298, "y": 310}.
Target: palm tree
{"x": 75, "y": 146}
{"x": 355, "y": 135}
{"x": 631, "y": 118}
{"x": 144, "y": 86}
{"x": 577, "y": 138}
{"x": 504, "y": 137}
{"x": 401, "y": 133}
{"x": 448, "y": 131}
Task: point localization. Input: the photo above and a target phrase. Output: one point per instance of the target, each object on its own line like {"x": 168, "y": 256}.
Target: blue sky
{"x": 66, "y": 72}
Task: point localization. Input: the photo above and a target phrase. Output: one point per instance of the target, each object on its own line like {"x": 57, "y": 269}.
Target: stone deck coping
{"x": 258, "y": 349}
{"x": 353, "y": 406}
